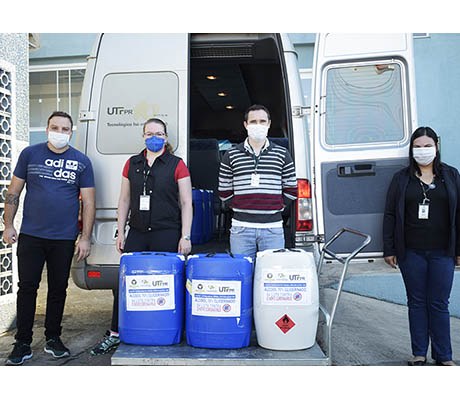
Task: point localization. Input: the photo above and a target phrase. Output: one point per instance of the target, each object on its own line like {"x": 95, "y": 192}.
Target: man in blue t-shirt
{"x": 55, "y": 176}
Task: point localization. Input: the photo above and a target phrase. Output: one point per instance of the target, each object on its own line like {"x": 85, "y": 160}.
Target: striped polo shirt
{"x": 257, "y": 186}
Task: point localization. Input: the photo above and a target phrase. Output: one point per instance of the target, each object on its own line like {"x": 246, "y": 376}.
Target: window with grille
{"x": 6, "y": 137}
{"x": 53, "y": 88}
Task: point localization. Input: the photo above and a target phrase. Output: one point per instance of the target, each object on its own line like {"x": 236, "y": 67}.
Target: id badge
{"x": 144, "y": 202}
{"x": 423, "y": 211}
{"x": 255, "y": 179}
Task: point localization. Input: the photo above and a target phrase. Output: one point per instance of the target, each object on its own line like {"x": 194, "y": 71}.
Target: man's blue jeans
{"x": 248, "y": 241}
{"x": 428, "y": 277}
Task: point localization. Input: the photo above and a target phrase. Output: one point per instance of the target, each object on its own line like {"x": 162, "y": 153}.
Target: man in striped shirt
{"x": 258, "y": 177}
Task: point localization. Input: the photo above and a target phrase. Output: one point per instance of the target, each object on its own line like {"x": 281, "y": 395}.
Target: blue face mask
{"x": 154, "y": 143}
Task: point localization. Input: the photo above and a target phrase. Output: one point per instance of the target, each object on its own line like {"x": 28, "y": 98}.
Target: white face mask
{"x": 58, "y": 140}
{"x": 257, "y": 132}
{"x": 424, "y": 155}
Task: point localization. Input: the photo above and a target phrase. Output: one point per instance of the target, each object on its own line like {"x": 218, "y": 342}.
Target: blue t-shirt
{"x": 53, "y": 183}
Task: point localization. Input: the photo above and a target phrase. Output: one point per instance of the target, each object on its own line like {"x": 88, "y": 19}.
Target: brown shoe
{"x": 446, "y": 363}
{"x": 416, "y": 361}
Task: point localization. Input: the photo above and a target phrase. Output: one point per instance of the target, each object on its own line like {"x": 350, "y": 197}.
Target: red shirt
{"x": 181, "y": 170}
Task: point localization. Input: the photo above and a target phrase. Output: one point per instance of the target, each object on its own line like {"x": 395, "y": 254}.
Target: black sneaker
{"x": 108, "y": 343}
{"x": 20, "y": 353}
{"x": 55, "y": 347}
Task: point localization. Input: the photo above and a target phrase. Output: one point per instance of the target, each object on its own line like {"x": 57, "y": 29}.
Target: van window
{"x": 127, "y": 101}
{"x": 364, "y": 104}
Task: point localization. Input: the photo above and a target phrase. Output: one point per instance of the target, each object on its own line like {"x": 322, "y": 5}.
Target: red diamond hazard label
{"x": 285, "y": 323}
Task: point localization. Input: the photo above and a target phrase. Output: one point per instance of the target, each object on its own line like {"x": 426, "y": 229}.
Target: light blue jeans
{"x": 248, "y": 241}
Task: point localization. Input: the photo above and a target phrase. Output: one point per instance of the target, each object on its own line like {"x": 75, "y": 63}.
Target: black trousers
{"x": 163, "y": 240}
{"x": 32, "y": 254}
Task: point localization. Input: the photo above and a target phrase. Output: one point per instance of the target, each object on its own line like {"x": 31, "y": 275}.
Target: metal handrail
{"x": 345, "y": 261}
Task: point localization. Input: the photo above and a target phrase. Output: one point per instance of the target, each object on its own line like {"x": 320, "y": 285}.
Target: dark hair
{"x": 60, "y": 114}
{"x": 157, "y": 121}
{"x": 424, "y": 131}
{"x": 256, "y": 107}
{"x": 162, "y": 123}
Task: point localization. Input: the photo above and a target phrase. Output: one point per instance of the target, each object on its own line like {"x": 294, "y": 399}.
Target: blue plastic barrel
{"x": 218, "y": 301}
{"x": 198, "y": 229}
{"x": 151, "y": 301}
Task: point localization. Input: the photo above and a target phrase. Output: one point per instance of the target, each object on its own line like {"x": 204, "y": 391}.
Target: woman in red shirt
{"x": 156, "y": 194}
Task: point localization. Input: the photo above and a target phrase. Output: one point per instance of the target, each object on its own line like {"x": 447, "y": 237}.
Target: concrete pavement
{"x": 366, "y": 331}
{"x": 87, "y": 316}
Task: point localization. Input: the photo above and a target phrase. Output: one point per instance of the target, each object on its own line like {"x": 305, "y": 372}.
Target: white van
{"x": 363, "y": 112}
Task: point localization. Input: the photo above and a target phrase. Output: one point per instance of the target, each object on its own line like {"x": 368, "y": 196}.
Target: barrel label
{"x": 216, "y": 298}
{"x": 150, "y": 292}
{"x": 285, "y": 288}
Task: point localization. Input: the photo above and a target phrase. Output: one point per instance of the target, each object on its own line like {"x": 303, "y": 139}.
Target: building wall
{"x": 304, "y": 44}
{"x": 62, "y": 48}
{"x": 14, "y": 134}
{"x": 57, "y": 68}
{"x": 437, "y": 60}
{"x": 14, "y": 49}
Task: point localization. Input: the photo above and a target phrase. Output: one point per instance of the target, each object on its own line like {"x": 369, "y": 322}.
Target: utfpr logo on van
{"x": 119, "y": 111}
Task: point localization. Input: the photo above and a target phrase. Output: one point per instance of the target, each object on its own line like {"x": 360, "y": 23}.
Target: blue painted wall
{"x": 437, "y": 61}
{"x": 304, "y": 44}
{"x": 62, "y": 47}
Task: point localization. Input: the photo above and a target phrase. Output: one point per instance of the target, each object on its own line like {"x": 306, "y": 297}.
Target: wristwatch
{"x": 186, "y": 237}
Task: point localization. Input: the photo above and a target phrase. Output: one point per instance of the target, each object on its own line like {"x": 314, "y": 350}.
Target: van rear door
{"x": 363, "y": 114}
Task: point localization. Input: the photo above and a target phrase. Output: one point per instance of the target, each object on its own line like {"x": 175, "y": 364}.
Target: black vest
{"x": 162, "y": 188}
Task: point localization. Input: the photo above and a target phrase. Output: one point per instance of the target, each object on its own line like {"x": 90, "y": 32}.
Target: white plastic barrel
{"x": 286, "y": 299}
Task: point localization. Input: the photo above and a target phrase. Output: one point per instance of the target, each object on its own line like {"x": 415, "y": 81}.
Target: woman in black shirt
{"x": 421, "y": 234}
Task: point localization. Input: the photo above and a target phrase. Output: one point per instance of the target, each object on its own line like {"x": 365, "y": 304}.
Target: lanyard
{"x": 145, "y": 174}
{"x": 425, "y": 198}
{"x": 256, "y": 158}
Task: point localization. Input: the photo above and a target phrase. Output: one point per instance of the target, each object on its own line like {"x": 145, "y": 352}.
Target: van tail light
{"x": 304, "y": 216}
{"x": 93, "y": 274}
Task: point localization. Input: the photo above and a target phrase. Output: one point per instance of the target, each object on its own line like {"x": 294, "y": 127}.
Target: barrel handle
{"x": 214, "y": 253}
{"x": 159, "y": 253}
{"x": 286, "y": 250}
